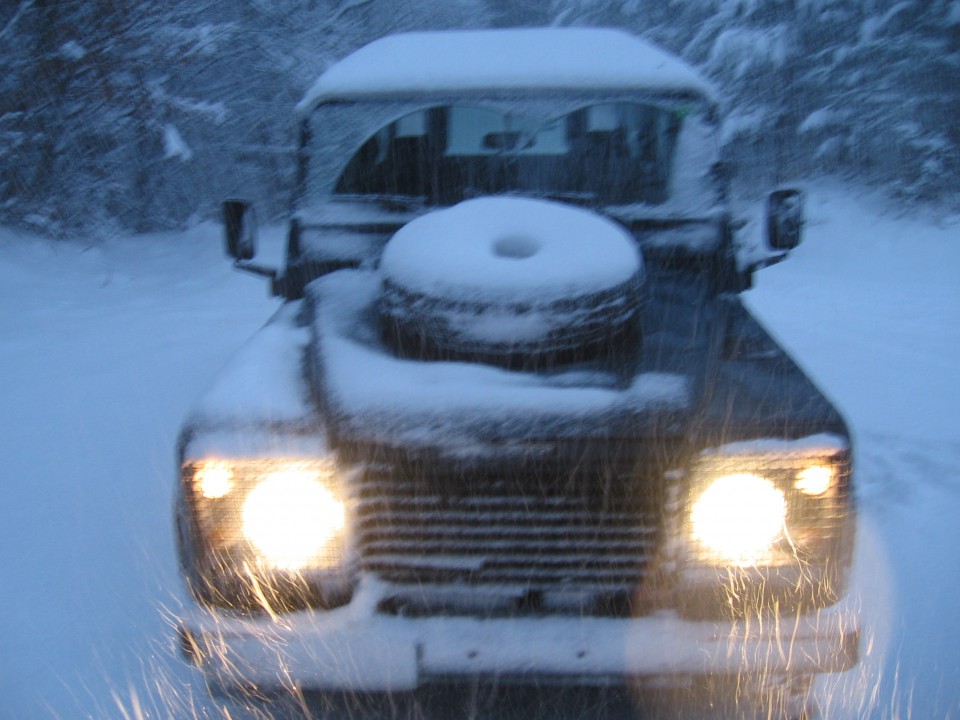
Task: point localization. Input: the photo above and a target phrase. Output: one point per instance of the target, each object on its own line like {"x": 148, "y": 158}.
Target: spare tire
{"x": 511, "y": 281}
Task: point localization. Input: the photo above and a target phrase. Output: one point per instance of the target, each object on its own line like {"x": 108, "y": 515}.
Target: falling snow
{"x": 105, "y": 347}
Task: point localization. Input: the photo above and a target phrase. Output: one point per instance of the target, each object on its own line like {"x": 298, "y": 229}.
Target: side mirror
{"x": 239, "y": 229}
{"x": 784, "y": 219}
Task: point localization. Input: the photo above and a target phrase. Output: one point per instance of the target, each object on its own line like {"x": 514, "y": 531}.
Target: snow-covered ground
{"x": 870, "y": 305}
{"x": 103, "y": 349}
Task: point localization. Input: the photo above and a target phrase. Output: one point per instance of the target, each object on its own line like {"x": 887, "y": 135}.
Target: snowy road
{"x": 102, "y": 350}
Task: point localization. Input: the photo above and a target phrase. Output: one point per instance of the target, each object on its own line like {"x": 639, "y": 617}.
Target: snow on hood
{"x": 809, "y": 446}
{"x": 511, "y": 249}
{"x": 263, "y": 383}
{"x": 370, "y": 395}
{"x": 260, "y": 405}
{"x": 477, "y": 60}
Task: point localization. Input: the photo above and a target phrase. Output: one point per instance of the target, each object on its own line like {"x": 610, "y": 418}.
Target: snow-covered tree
{"x": 144, "y": 114}
{"x": 94, "y": 113}
{"x": 887, "y": 95}
{"x": 866, "y": 88}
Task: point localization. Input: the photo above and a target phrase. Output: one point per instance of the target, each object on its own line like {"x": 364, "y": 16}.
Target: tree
{"x": 859, "y": 88}
{"x": 146, "y": 114}
{"x": 92, "y": 113}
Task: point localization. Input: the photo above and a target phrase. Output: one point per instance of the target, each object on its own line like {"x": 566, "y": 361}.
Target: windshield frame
{"x": 335, "y": 130}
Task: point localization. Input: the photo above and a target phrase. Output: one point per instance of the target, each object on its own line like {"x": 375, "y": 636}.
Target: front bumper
{"x": 355, "y": 648}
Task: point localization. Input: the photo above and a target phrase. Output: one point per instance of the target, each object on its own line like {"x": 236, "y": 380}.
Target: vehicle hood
{"x": 462, "y": 408}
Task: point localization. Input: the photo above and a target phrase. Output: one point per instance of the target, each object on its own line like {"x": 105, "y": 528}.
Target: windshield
{"x": 609, "y": 153}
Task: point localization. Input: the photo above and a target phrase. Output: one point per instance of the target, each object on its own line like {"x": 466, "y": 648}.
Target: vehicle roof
{"x": 521, "y": 59}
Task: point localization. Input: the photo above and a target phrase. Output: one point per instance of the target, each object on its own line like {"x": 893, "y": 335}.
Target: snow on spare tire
{"x": 510, "y": 280}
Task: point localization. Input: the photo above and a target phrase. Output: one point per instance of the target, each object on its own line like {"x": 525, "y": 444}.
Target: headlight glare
{"x": 213, "y": 479}
{"x": 272, "y": 515}
{"x": 814, "y": 480}
{"x": 739, "y": 517}
{"x": 291, "y": 518}
{"x": 785, "y": 505}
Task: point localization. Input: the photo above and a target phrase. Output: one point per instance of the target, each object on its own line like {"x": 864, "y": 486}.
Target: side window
{"x": 396, "y": 160}
{"x": 622, "y": 152}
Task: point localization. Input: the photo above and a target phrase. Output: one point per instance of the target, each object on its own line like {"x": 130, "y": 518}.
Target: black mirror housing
{"x": 239, "y": 229}
{"x": 785, "y": 218}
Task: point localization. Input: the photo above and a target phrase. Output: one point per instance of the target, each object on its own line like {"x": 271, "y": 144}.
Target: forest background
{"x": 124, "y": 115}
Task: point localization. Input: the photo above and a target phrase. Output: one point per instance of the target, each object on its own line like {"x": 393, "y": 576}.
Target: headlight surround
{"x": 789, "y": 507}
{"x": 268, "y": 533}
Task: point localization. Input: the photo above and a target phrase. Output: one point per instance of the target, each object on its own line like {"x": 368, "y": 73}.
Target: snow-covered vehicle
{"x": 513, "y": 421}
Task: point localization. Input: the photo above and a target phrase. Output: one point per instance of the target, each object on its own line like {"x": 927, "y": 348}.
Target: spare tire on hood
{"x": 511, "y": 281}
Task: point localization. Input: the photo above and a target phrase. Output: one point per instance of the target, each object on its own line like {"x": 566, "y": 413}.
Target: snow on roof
{"x": 550, "y": 58}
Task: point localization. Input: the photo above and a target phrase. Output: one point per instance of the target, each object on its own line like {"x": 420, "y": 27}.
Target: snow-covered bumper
{"x": 356, "y": 648}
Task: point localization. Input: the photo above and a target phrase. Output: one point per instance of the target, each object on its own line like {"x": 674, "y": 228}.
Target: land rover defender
{"x": 512, "y": 421}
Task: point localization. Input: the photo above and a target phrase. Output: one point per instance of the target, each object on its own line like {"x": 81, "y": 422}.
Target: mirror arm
{"x": 255, "y": 269}
{"x": 769, "y": 260}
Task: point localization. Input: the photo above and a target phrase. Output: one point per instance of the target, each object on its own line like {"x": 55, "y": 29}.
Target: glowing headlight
{"x": 290, "y": 517}
{"x": 814, "y": 480}
{"x": 280, "y": 514}
{"x": 771, "y": 503}
{"x": 213, "y": 479}
{"x": 739, "y": 517}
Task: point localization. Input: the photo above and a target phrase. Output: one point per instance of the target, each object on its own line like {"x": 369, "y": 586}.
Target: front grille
{"x": 530, "y": 529}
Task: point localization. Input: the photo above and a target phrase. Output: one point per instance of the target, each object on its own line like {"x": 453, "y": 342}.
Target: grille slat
{"x": 600, "y": 552}
{"x": 583, "y": 529}
{"x": 548, "y": 534}
{"x": 465, "y": 524}
{"x": 578, "y": 577}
